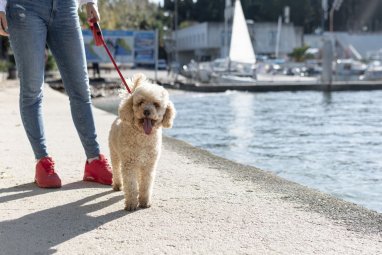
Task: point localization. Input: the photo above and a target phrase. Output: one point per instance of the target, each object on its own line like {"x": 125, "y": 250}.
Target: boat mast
{"x": 279, "y": 25}
{"x": 228, "y": 14}
{"x": 227, "y": 18}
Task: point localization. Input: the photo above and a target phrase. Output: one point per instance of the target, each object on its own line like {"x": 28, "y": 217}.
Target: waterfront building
{"x": 206, "y": 41}
{"x": 361, "y": 46}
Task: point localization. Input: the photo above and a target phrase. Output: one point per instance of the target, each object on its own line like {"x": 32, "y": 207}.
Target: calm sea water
{"x": 330, "y": 142}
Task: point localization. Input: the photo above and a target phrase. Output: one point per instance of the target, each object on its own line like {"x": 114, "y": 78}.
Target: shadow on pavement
{"x": 39, "y": 232}
{"x": 30, "y": 189}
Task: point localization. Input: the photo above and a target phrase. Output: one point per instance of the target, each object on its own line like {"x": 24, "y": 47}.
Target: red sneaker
{"x": 99, "y": 171}
{"x": 45, "y": 176}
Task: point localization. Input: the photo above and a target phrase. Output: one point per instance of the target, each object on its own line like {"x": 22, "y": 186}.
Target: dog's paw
{"x": 116, "y": 187}
{"x": 131, "y": 206}
{"x": 147, "y": 205}
{"x": 144, "y": 203}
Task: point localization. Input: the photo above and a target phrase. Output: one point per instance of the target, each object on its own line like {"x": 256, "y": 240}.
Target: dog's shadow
{"x": 39, "y": 232}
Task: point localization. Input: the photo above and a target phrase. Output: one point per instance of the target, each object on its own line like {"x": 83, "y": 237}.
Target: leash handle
{"x": 99, "y": 40}
{"x": 97, "y": 33}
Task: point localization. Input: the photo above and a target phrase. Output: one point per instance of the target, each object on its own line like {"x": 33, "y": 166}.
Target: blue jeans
{"x": 32, "y": 24}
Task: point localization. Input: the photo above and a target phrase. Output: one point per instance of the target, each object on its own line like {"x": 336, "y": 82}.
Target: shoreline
{"x": 356, "y": 217}
{"x": 150, "y": 75}
{"x": 335, "y": 188}
{"x": 310, "y": 199}
{"x": 202, "y": 203}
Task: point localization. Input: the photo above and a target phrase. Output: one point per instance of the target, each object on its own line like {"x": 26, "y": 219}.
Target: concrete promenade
{"x": 202, "y": 204}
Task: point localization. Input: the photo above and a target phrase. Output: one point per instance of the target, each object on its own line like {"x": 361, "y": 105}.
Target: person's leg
{"x": 27, "y": 21}
{"x": 28, "y": 37}
{"x": 66, "y": 44}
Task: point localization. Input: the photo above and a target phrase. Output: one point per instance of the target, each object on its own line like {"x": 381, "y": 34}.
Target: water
{"x": 330, "y": 142}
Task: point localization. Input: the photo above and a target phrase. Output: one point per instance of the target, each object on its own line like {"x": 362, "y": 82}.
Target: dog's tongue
{"x": 147, "y": 126}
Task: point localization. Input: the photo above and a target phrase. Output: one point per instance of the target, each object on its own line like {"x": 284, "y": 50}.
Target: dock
{"x": 273, "y": 84}
{"x": 276, "y": 86}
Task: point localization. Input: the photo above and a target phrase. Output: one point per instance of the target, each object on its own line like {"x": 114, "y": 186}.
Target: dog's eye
{"x": 140, "y": 103}
{"x": 156, "y": 105}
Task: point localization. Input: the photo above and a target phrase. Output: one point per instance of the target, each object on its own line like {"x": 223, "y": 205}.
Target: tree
{"x": 354, "y": 15}
{"x": 129, "y": 14}
{"x": 299, "y": 54}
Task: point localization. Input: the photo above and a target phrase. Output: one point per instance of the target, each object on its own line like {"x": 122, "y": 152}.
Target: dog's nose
{"x": 146, "y": 113}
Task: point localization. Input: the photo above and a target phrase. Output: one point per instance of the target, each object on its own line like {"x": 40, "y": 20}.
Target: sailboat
{"x": 240, "y": 64}
{"x": 235, "y": 69}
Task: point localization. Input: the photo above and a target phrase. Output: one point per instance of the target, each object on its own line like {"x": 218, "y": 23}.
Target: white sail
{"x": 241, "y": 49}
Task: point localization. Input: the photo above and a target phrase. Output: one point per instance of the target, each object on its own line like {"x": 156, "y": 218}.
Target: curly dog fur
{"x": 135, "y": 140}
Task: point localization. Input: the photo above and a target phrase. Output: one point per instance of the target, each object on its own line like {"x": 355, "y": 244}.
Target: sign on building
{"x": 144, "y": 42}
{"x": 126, "y": 46}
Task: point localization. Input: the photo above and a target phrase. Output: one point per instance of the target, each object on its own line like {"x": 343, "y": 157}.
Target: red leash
{"x": 98, "y": 38}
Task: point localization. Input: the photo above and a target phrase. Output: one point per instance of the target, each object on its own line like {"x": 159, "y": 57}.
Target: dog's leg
{"x": 130, "y": 186}
{"x": 146, "y": 186}
{"x": 116, "y": 165}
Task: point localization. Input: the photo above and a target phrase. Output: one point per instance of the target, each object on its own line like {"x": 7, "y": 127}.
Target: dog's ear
{"x": 169, "y": 115}
{"x": 138, "y": 79}
{"x": 125, "y": 110}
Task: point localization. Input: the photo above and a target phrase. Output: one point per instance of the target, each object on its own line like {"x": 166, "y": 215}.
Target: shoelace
{"x": 49, "y": 166}
{"x": 105, "y": 164}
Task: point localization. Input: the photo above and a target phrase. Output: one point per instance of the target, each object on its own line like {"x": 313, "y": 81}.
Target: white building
{"x": 265, "y": 38}
{"x": 205, "y": 41}
{"x": 201, "y": 42}
{"x": 347, "y": 45}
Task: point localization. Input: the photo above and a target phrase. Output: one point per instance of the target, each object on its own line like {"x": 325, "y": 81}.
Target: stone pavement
{"x": 202, "y": 204}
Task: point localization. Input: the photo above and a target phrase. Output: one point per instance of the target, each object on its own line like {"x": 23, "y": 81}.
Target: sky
{"x": 161, "y": 1}
{"x": 157, "y": 1}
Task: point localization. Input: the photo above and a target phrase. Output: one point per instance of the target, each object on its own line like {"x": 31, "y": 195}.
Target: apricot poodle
{"x": 135, "y": 140}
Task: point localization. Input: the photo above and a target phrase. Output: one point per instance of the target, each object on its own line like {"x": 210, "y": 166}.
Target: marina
{"x": 328, "y": 141}
{"x": 275, "y": 147}
{"x": 320, "y": 128}
{"x": 203, "y": 203}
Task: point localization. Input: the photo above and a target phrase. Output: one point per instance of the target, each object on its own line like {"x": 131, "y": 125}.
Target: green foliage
{"x": 207, "y": 10}
{"x": 128, "y": 14}
{"x": 354, "y": 15}
{"x": 3, "y": 65}
{"x": 141, "y": 14}
{"x": 303, "y": 12}
{"x": 299, "y": 54}
{"x": 50, "y": 63}
{"x": 186, "y": 23}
